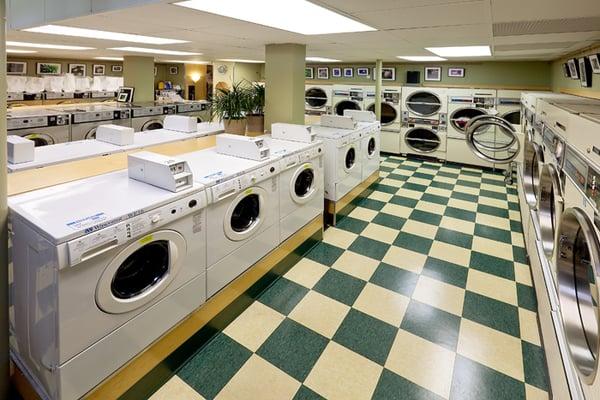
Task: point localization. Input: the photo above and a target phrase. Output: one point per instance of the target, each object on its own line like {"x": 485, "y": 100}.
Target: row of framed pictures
{"x": 582, "y": 69}
{"x": 387, "y": 73}
{"x": 47, "y": 68}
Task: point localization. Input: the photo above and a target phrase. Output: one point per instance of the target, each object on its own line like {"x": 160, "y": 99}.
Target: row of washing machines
{"x": 103, "y": 266}
{"x": 60, "y": 124}
{"x": 560, "y": 202}
{"x": 425, "y": 121}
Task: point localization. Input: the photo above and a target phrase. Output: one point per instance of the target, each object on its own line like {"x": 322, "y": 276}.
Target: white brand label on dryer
{"x": 83, "y": 223}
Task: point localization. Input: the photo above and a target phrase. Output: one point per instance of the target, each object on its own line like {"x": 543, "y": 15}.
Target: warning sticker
{"x": 87, "y": 221}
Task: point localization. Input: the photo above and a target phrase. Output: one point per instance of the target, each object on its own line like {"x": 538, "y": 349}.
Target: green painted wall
{"x": 31, "y": 65}
{"x": 518, "y": 75}
{"x": 163, "y": 73}
{"x": 138, "y": 72}
{"x": 561, "y": 82}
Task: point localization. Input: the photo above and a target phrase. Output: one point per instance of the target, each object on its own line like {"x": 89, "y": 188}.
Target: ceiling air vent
{"x": 533, "y": 46}
{"x": 564, "y": 25}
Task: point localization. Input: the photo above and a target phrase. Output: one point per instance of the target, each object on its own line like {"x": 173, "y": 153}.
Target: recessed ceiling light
{"x": 298, "y": 16}
{"x": 421, "y": 58}
{"x": 96, "y": 34}
{"x": 185, "y": 62}
{"x": 461, "y": 51}
{"x": 19, "y": 51}
{"x": 241, "y": 60}
{"x": 109, "y": 58}
{"x": 322, "y": 59}
{"x": 47, "y": 46}
{"x": 156, "y": 51}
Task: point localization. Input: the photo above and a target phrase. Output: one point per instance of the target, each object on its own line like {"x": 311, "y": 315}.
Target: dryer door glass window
{"x": 304, "y": 182}
{"x": 514, "y": 117}
{"x": 423, "y": 103}
{"x": 549, "y": 209}
{"x": 245, "y": 213}
{"x": 371, "y": 146}
{"x": 40, "y": 139}
{"x": 315, "y": 97}
{"x": 142, "y": 270}
{"x": 422, "y": 140}
{"x": 346, "y": 105}
{"x": 350, "y": 158}
{"x": 91, "y": 134}
{"x": 462, "y": 116}
{"x": 152, "y": 125}
{"x": 388, "y": 113}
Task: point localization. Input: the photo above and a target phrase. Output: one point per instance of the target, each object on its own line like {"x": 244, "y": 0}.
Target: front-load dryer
{"x": 390, "y": 117}
{"x": 85, "y": 119}
{"x": 96, "y": 283}
{"x": 508, "y": 105}
{"x": 347, "y": 98}
{"x": 370, "y": 146}
{"x": 424, "y": 103}
{"x": 423, "y": 138}
{"x": 243, "y": 217}
{"x": 43, "y": 127}
{"x": 318, "y": 99}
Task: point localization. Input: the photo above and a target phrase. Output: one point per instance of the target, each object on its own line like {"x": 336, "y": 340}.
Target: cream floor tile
{"x": 492, "y": 286}
{"x": 364, "y": 214}
{"x": 339, "y": 237}
{"x": 489, "y": 201}
{"x": 438, "y": 191}
{"x": 451, "y": 253}
{"x": 431, "y": 207}
{"x": 320, "y": 313}
{"x": 466, "y": 189}
{"x": 493, "y": 188}
{"x": 252, "y": 327}
{"x": 258, "y": 379}
{"x": 533, "y": 393}
{"x": 380, "y": 232}
{"x": 490, "y": 220}
{"x": 492, "y": 247}
{"x": 514, "y": 215}
{"x": 463, "y": 205}
{"x": 422, "y": 362}
{"x": 392, "y": 182}
{"x": 419, "y": 181}
{"x": 388, "y": 164}
{"x": 512, "y": 198}
{"x": 403, "y": 172}
{"x": 405, "y": 259}
{"x": 493, "y": 176}
{"x": 458, "y": 225}
{"x": 523, "y": 274}
{"x": 412, "y": 163}
{"x": 440, "y": 295}
{"x": 445, "y": 179}
{"x": 398, "y": 211}
{"x": 517, "y": 239}
{"x": 529, "y": 326}
{"x": 382, "y": 303}
{"x": 412, "y": 194}
{"x": 356, "y": 265}
{"x": 380, "y": 196}
{"x": 383, "y": 174}
{"x": 491, "y": 348}
{"x": 306, "y": 272}
{"x": 341, "y": 374}
{"x": 420, "y": 228}
{"x": 176, "y": 388}
{"x": 470, "y": 178}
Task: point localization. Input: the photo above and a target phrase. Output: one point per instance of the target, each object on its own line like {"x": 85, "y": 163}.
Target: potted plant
{"x": 256, "y": 110}
{"x": 229, "y": 106}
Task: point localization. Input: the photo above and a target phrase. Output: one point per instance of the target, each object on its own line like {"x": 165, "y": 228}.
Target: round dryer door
{"x": 534, "y": 157}
{"x": 140, "y": 272}
{"x": 245, "y": 214}
{"x": 550, "y": 206}
{"x": 346, "y": 105}
{"x": 40, "y": 139}
{"x": 424, "y": 103}
{"x": 371, "y": 147}
{"x": 152, "y": 124}
{"x": 578, "y": 263}
{"x": 388, "y": 113}
{"x": 461, "y": 117}
{"x": 350, "y": 158}
{"x": 422, "y": 140}
{"x": 492, "y": 139}
{"x": 315, "y": 97}
{"x": 303, "y": 185}
{"x": 514, "y": 117}
{"x": 91, "y": 134}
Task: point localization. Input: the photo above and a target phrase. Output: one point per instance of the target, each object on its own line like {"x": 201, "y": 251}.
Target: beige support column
{"x": 4, "y": 358}
{"x": 284, "y": 83}
{"x": 138, "y": 72}
{"x": 378, "y": 89}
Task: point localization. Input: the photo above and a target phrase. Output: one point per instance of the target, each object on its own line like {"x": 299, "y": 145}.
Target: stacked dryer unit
{"x": 347, "y": 98}
{"x": 508, "y": 105}
{"x": 318, "y": 99}
{"x": 390, "y": 116}
{"x": 424, "y": 122}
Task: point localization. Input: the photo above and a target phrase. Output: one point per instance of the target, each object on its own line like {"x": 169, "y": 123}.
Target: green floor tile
{"x": 446, "y": 272}
{"x": 433, "y": 198}
{"x": 474, "y": 381}
{"x": 471, "y": 184}
{"x": 492, "y": 194}
{"x": 465, "y": 196}
{"x": 470, "y": 172}
{"x": 283, "y": 295}
{"x": 489, "y": 232}
{"x": 431, "y": 323}
{"x": 213, "y": 366}
{"x": 526, "y": 297}
{"x": 534, "y": 361}
{"x": 370, "y": 204}
{"x": 391, "y": 221}
{"x": 397, "y": 279}
{"x": 460, "y": 214}
{"x": 413, "y": 242}
{"x": 492, "y": 265}
{"x": 404, "y": 201}
{"x": 441, "y": 185}
{"x": 397, "y": 177}
{"x": 426, "y": 217}
{"x": 494, "y": 182}
{"x": 516, "y": 226}
{"x": 366, "y": 335}
{"x": 447, "y": 174}
{"x": 454, "y": 237}
{"x": 325, "y": 253}
{"x": 293, "y": 348}
{"x": 352, "y": 224}
{"x": 305, "y": 393}
{"x": 495, "y": 314}
{"x": 407, "y": 167}
{"x": 514, "y": 206}
{"x": 340, "y": 286}
{"x": 395, "y": 387}
{"x": 384, "y": 188}
{"x": 414, "y": 186}
{"x": 495, "y": 211}
{"x": 422, "y": 175}
{"x": 520, "y": 255}
{"x": 369, "y": 247}
{"x": 385, "y": 169}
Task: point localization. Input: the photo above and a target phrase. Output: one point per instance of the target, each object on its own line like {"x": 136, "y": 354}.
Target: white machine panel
{"x": 337, "y": 121}
{"x": 292, "y": 132}
{"x": 360, "y": 116}
{"x": 165, "y": 172}
{"x": 180, "y": 123}
{"x": 252, "y": 148}
{"x": 115, "y": 134}
{"x": 20, "y": 150}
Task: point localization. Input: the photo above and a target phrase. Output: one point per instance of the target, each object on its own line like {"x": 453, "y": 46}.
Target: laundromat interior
{"x": 300, "y": 200}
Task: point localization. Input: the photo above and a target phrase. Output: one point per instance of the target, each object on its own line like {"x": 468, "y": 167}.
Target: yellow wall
{"x": 560, "y": 83}
{"x": 236, "y": 72}
{"x": 31, "y": 65}
{"x": 138, "y": 72}
{"x": 200, "y": 86}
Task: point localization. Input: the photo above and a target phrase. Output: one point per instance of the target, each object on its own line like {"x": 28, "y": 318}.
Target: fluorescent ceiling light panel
{"x": 241, "y": 60}
{"x": 109, "y": 58}
{"x": 156, "y": 51}
{"x": 96, "y": 34}
{"x": 19, "y": 51}
{"x": 185, "y": 62}
{"x": 461, "y": 51}
{"x": 322, "y": 59}
{"x": 47, "y": 46}
{"x": 421, "y": 58}
{"x": 299, "y": 16}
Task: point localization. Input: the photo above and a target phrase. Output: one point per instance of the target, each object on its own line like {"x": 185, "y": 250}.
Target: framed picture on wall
{"x": 77, "y": 69}
{"x": 573, "y": 68}
{"x": 565, "y": 70}
{"x": 336, "y": 72}
{"x": 388, "y": 74}
{"x": 99, "y": 69}
{"x": 585, "y": 72}
{"x": 16, "y": 68}
{"x": 174, "y": 70}
{"x": 323, "y": 73}
{"x": 125, "y": 94}
{"x": 348, "y": 72}
{"x": 362, "y": 71}
{"x": 433, "y": 74}
{"x": 43, "y": 68}
{"x": 595, "y": 63}
{"x": 309, "y": 73}
{"x": 117, "y": 68}
{"x": 456, "y": 72}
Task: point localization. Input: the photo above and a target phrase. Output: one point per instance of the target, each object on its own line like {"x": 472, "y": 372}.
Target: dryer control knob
{"x": 155, "y": 218}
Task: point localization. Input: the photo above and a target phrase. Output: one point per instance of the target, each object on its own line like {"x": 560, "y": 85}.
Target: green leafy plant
{"x": 256, "y": 93}
{"x": 231, "y": 103}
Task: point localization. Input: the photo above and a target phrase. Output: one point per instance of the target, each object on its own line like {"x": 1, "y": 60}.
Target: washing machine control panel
{"x": 555, "y": 146}
{"x": 235, "y": 185}
{"x": 592, "y": 189}
{"x": 80, "y": 117}
{"x": 576, "y": 168}
{"x": 37, "y": 121}
{"x": 138, "y": 225}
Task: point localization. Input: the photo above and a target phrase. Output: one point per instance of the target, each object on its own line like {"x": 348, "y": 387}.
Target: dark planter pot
{"x": 235, "y": 126}
{"x": 256, "y": 123}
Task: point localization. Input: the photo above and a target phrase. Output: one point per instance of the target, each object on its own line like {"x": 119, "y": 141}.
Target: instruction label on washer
{"x": 86, "y": 222}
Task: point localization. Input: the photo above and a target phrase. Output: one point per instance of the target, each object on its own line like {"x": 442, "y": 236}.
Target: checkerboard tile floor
{"x": 422, "y": 292}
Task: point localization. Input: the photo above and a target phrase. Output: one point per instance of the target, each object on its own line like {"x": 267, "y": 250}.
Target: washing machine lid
{"x": 282, "y": 148}
{"x": 67, "y": 211}
{"x": 326, "y": 132}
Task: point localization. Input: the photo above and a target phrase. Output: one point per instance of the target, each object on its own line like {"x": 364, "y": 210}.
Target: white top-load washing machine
{"x": 347, "y": 97}
{"x": 85, "y": 119}
{"x": 370, "y": 147}
{"x": 343, "y": 163}
{"x": 508, "y": 104}
{"x": 150, "y": 116}
{"x": 243, "y": 217}
{"x": 101, "y": 267}
{"x": 301, "y": 182}
{"x": 194, "y": 108}
{"x": 44, "y": 127}
{"x": 318, "y": 99}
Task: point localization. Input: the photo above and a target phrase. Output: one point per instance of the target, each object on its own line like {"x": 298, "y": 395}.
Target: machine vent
{"x": 583, "y": 24}
{"x": 533, "y": 46}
